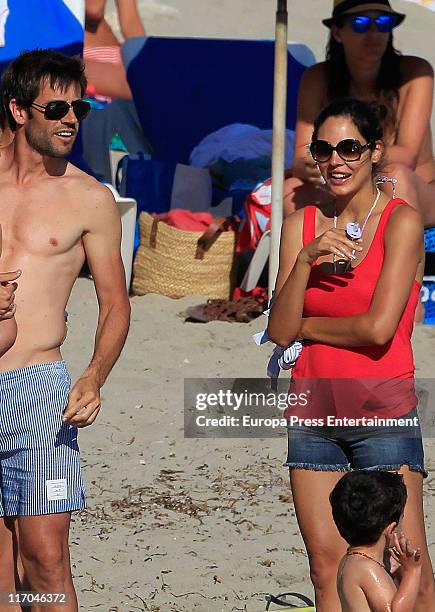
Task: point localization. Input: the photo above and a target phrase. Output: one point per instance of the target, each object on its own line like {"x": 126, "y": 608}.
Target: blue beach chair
{"x": 186, "y": 88}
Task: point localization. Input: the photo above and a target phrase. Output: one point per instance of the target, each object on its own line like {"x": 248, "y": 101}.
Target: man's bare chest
{"x": 38, "y": 224}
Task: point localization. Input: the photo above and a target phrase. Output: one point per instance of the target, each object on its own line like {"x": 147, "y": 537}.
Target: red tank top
{"x": 345, "y": 296}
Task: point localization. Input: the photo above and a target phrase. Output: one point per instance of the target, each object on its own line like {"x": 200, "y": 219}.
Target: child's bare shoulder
{"x": 364, "y": 586}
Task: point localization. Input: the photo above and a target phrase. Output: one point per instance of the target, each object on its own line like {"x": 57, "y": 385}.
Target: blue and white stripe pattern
{"x": 39, "y": 455}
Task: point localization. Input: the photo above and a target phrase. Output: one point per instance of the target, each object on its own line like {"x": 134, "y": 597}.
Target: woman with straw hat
{"x": 361, "y": 62}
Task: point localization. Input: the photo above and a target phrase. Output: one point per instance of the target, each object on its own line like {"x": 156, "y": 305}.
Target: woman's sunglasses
{"x": 349, "y": 150}
{"x": 57, "y": 109}
{"x": 362, "y": 23}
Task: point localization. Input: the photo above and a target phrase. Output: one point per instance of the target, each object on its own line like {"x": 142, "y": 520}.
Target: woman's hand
{"x": 306, "y": 169}
{"x": 333, "y": 241}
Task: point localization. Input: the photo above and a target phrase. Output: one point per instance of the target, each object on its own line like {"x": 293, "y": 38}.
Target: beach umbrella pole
{"x": 278, "y": 148}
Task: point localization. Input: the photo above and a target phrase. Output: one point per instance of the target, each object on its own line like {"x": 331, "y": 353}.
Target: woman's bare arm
{"x": 310, "y": 103}
{"x": 291, "y": 283}
{"x": 403, "y": 253}
{"x": 415, "y": 113}
{"x": 295, "y": 267}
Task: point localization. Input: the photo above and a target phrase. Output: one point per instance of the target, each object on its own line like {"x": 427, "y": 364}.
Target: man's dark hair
{"x": 24, "y": 76}
{"x": 365, "y": 502}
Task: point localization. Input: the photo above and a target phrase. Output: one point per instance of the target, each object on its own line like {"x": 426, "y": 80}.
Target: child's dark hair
{"x": 365, "y": 502}
{"x": 365, "y": 116}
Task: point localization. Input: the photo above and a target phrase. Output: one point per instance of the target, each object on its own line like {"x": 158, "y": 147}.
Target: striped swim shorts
{"x": 39, "y": 456}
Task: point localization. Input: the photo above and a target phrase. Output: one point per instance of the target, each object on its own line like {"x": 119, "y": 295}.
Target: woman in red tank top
{"x": 352, "y": 303}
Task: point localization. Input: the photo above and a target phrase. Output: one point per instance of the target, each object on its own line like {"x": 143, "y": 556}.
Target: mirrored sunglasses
{"x": 362, "y": 23}
{"x": 349, "y": 150}
{"x": 57, "y": 109}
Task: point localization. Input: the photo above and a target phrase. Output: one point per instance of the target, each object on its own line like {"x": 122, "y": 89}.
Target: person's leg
{"x": 413, "y": 189}
{"x": 43, "y": 547}
{"x": 108, "y": 79}
{"x": 413, "y": 527}
{"x": 401, "y": 449}
{"x": 298, "y": 194}
{"x": 325, "y": 546}
{"x": 9, "y": 579}
{"x": 129, "y": 19}
{"x": 42, "y": 481}
{"x": 94, "y": 14}
{"x": 317, "y": 462}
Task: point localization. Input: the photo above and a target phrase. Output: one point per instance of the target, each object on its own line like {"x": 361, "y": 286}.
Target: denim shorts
{"x": 343, "y": 449}
{"x": 39, "y": 455}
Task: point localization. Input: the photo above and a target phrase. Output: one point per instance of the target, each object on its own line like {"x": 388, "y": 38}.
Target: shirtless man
{"x": 367, "y": 508}
{"x": 53, "y": 218}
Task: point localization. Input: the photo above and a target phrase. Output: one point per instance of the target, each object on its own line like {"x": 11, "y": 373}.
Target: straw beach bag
{"x": 175, "y": 262}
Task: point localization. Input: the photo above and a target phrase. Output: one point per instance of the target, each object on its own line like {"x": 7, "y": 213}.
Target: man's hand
{"x": 7, "y": 294}
{"x": 84, "y": 403}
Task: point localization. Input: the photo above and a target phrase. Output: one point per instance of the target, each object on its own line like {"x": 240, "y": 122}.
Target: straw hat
{"x": 346, "y": 7}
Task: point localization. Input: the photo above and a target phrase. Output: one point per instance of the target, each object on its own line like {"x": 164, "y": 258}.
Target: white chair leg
{"x": 127, "y": 209}
{"x": 258, "y": 261}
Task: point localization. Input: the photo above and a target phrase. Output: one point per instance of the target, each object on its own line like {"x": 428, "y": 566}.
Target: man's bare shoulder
{"x": 87, "y": 187}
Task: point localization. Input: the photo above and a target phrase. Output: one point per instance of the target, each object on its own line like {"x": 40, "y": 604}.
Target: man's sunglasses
{"x": 349, "y": 150}
{"x": 362, "y": 23}
{"x": 57, "y": 109}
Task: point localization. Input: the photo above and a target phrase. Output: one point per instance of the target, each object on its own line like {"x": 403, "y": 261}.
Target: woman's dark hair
{"x": 364, "y": 503}
{"x": 26, "y": 74}
{"x": 367, "y": 117}
{"x": 387, "y": 84}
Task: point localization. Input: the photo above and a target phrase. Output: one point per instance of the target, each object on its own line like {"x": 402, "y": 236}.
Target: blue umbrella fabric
{"x": 40, "y": 24}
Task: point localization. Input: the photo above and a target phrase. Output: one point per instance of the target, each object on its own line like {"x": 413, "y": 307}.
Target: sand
{"x": 185, "y": 525}
{"x": 177, "y": 524}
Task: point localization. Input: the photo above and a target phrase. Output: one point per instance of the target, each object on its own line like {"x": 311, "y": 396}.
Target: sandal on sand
{"x": 285, "y": 603}
{"x": 242, "y": 310}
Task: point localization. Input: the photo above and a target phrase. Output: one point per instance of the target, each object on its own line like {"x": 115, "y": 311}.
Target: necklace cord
{"x": 361, "y": 554}
{"x": 365, "y": 221}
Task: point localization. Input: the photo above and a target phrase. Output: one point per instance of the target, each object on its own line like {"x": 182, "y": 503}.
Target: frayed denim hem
{"x": 315, "y": 467}
{"x": 413, "y": 468}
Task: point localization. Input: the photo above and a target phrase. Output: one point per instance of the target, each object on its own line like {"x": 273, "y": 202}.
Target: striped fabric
{"x": 108, "y": 55}
{"x": 39, "y": 455}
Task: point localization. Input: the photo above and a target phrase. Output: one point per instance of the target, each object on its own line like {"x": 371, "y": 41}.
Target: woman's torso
{"x": 358, "y": 371}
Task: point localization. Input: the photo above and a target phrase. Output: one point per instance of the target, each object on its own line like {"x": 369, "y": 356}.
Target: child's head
{"x": 365, "y": 503}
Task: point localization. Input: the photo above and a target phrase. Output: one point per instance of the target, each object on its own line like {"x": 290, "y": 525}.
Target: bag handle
{"x": 153, "y": 233}
{"x": 212, "y": 233}
{"x": 205, "y": 241}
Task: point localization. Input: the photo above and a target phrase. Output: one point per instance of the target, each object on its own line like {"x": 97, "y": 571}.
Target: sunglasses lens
{"x": 320, "y": 150}
{"x": 56, "y": 109}
{"x": 385, "y": 23}
{"x": 81, "y": 109}
{"x": 360, "y": 23}
{"x": 349, "y": 150}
